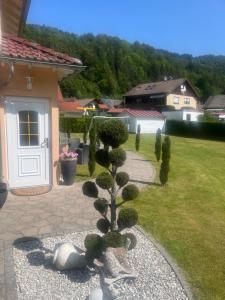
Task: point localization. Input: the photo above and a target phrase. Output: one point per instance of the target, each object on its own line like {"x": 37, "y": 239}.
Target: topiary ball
{"x": 94, "y": 245}
{"x": 113, "y": 239}
{"x": 122, "y": 179}
{"x": 127, "y": 218}
{"x": 101, "y": 205}
{"x": 130, "y": 240}
{"x": 104, "y": 180}
{"x": 103, "y": 225}
{"x": 102, "y": 158}
{"x": 130, "y": 192}
{"x": 113, "y": 133}
{"x": 90, "y": 189}
{"x": 117, "y": 157}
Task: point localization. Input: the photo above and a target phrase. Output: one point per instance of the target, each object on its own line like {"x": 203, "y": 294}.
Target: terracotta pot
{"x": 3, "y": 193}
{"x": 68, "y": 170}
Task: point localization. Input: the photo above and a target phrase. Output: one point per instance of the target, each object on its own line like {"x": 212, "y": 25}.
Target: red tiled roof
{"x": 19, "y": 48}
{"x": 69, "y": 107}
{"x": 103, "y": 106}
{"x": 138, "y": 113}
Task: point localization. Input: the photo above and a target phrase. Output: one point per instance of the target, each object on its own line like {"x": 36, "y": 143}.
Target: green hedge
{"x": 73, "y": 125}
{"x": 196, "y": 129}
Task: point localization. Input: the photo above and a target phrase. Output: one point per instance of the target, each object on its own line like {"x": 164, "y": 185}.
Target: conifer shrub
{"x": 130, "y": 192}
{"x": 117, "y": 157}
{"x": 122, "y": 179}
{"x": 158, "y": 145}
{"x": 112, "y": 134}
{"x": 102, "y": 158}
{"x": 127, "y": 218}
{"x": 90, "y": 189}
{"x": 104, "y": 180}
{"x": 165, "y": 165}
{"x": 138, "y": 138}
{"x": 92, "y": 149}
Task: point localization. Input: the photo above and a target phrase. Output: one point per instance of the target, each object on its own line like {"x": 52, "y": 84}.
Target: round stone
{"x": 96, "y": 294}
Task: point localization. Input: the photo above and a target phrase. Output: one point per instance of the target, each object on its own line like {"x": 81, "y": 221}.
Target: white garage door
{"x": 150, "y": 125}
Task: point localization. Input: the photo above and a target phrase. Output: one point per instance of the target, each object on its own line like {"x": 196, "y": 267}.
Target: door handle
{"x": 45, "y": 143}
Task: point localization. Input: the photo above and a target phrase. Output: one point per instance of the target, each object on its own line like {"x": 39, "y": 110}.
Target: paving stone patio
{"x": 63, "y": 210}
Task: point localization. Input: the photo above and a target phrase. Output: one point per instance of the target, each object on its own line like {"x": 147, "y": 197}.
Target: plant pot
{"x": 68, "y": 171}
{"x": 3, "y": 193}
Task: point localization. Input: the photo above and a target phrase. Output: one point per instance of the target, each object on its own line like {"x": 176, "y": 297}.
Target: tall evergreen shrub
{"x": 158, "y": 144}
{"x": 92, "y": 149}
{"x": 165, "y": 165}
{"x": 138, "y": 138}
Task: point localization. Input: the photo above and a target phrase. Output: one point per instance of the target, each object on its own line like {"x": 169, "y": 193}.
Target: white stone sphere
{"x": 96, "y": 294}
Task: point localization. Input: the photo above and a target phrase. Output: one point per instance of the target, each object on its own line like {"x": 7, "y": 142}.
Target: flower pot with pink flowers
{"x": 68, "y": 162}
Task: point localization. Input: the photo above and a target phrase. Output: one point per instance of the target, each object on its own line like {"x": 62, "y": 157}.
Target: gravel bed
{"x": 37, "y": 279}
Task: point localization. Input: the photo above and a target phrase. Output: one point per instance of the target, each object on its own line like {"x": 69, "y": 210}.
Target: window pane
{"x": 33, "y": 116}
{"x": 33, "y": 128}
{"x": 24, "y": 140}
{"x": 34, "y": 140}
{"x": 23, "y": 116}
{"x": 23, "y": 128}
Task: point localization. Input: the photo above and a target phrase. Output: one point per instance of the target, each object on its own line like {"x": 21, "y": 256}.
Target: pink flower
{"x": 68, "y": 155}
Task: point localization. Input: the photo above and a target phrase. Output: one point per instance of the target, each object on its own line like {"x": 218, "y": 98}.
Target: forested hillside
{"x": 114, "y": 65}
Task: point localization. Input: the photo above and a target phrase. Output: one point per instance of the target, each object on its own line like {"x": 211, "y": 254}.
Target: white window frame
{"x": 176, "y": 100}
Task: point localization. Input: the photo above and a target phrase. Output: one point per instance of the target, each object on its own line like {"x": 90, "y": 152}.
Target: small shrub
{"x": 130, "y": 192}
{"x": 138, "y": 138}
{"x": 158, "y": 145}
{"x": 113, "y": 133}
{"x": 113, "y": 239}
{"x": 94, "y": 245}
{"x": 117, "y": 157}
{"x": 102, "y": 158}
{"x": 103, "y": 225}
{"x": 90, "y": 189}
{"x": 101, "y": 205}
{"x": 127, "y": 218}
{"x": 104, "y": 180}
{"x": 122, "y": 179}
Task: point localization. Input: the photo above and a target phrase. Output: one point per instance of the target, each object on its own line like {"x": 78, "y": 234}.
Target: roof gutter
{"x": 67, "y": 66}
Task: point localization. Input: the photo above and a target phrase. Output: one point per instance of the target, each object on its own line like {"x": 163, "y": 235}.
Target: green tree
{"x": 138, "y": 138}
{"x": 165, "y": 165}
{"x": 158, "y": 144}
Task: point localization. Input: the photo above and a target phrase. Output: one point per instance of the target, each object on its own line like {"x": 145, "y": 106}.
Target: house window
{"x": 176, "y": 100}
{"x": 28, "y": 128}
{"x": 186, "y": 100}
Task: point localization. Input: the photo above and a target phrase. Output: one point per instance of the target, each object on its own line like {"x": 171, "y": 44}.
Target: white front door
{"x": 28, "y": 141}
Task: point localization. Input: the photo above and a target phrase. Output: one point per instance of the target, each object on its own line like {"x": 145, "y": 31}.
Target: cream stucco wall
{"x": 45, "y": 85}
{"x": 170, "y": 98}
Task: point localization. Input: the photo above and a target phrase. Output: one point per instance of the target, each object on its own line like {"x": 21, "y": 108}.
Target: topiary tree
{"x": 92, "y": 149}
{"x": 112, "y": 133}
{"x": 165, "y": 165}
{"x": 138, "y": 138}
{"x": 158, "y": 144}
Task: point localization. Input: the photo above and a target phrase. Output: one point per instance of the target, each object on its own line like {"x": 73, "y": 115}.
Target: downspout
{"x": 10, "y": 76}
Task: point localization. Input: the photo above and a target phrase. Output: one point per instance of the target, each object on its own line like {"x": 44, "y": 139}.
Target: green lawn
{"x": 188, "y": 215}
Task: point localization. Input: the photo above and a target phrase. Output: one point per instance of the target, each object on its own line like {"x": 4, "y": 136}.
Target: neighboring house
{"x": 149, "y": 121}
{"x": 216, "y": 106}
{"x": 183, "y": 115}
{"x": 29, "y": 113}
{"x": 164, "y": 95}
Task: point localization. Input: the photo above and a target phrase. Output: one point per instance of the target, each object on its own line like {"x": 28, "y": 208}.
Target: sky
{"x": 195, "y": 27}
